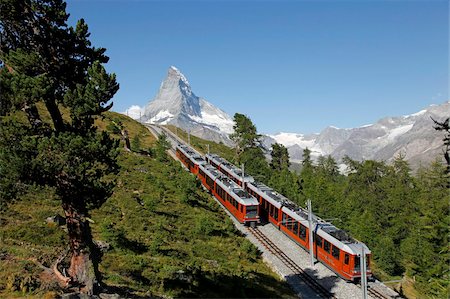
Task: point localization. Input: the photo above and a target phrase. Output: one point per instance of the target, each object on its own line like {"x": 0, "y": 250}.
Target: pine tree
{"x": 248, "y": 148}
{"x": 245, "y": 134}
{"x": 445, "y": 126}
{"x": 280, "y": 157}
{"x": 46, "y": 61}
{"x": 162, "y": 145}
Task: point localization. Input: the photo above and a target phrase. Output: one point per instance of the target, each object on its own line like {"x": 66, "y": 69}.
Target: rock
{"x": 57, "y": 220}
{"x": 102, "y": 245}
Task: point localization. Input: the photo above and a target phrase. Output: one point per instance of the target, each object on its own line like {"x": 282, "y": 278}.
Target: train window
{"x": 335, "y": 252}
{"x": 251, "y": 211}
{"x": 318, "y": 240}
{"x": 296, "y": 227}
{"x": 326, "y": 246}
{"x": 209, "y": 182}
{"x": 302, "y": 233}
{"x": 357, "y": 262}
{"x": 275, "y": 213}
{"x": 346, "y": 259}
{"x": 283, "y": 219}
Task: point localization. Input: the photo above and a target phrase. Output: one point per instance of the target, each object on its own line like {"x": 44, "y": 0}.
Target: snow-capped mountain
{"x": 176, "y": 104}
{"x": 412, "y": 136}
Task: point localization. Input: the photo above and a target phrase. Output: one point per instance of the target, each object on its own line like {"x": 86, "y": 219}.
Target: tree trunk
{"x": 85, "y": 256}
{"x": 33, "y": 116}
{"x": 55, "y": 114}
{"x": 126, "y": 139}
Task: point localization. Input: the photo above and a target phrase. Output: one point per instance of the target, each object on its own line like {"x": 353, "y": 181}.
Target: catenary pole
{"x": 243, "y": 176}
{"x": 363, "y": 273}
{"x": 311, "y": 228}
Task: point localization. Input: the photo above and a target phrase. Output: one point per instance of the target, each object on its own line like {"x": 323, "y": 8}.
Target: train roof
{"x": 232, "y": 169}
{"x": 239, "y": 194}
{"x": 275, "y": 198}
{"x": 211, "y": 171}
{"x": 192, "y": 154}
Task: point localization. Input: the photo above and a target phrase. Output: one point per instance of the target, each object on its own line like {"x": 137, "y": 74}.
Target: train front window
{"x": 358, "y": 263}
{"x": 251, "y": 211}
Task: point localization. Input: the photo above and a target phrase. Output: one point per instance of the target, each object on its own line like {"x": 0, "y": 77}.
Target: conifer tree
{"x": 245, "y": 134}
{"x": 445, "y": 126}
{"x": 248, "y": 148}
{"x": 280, "y": 157}
{"x": 46, "y": 62}
{"x": 162, "y": 145}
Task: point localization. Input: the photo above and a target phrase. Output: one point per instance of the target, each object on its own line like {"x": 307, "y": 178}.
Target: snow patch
{"x": 398, "y": 131}
{"x": 417, "y": 113}
{"x": 366, "y": 126}
{"x": 291, "y": 139}
{"x": 222, "y": 123}
{"x": 163, "y": 117}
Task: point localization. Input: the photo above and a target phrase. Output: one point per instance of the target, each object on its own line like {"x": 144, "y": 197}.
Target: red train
{"x": 243, "y": 206}
{"x": 332, "y": 246}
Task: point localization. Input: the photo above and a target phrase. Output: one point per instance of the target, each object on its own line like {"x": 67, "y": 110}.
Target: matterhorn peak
{"x": 176, "y": 104}
{"x": 176, "y": 73}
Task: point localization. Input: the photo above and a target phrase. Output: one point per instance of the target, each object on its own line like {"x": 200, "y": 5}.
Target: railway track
{"x": 374, "y": 293}
{"x": 297, "y": 270}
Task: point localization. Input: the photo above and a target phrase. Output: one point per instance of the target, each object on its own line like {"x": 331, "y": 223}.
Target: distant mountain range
{"x": 177, "y": 105}
{"x": 412, "y": 135}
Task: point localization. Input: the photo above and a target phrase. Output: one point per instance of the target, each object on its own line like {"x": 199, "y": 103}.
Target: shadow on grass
{"x": 132, "y": 245}
{"x": 211, "y": 285}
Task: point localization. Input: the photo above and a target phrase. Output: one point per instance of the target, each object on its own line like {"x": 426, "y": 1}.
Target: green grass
{"x": 168, "y": 237}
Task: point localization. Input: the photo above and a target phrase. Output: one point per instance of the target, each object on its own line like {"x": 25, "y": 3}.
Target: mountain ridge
{"x": 412, "y": 136}
{"x": 176, "y": 104}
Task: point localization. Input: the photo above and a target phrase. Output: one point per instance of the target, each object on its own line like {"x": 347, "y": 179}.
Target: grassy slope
{"x": 165, "y": 242}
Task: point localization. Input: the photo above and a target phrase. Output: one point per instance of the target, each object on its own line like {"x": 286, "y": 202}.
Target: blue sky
{"x": 291, "y": 66}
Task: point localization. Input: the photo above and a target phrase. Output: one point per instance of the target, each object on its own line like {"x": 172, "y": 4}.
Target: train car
{"x": 189, "y": 158}
{"x": 235, "y": 199}
{"x": 239, "y": 202}
{"x": 208, "y": 175}
{"x": 228, "y": 169}
{"x": 332, "y": 246}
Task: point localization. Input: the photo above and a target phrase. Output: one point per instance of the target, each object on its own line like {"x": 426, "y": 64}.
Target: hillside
{"x": 166, "y": 237}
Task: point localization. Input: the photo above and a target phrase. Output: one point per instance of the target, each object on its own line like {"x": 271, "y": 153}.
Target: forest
{"x": 402, "y": 216}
